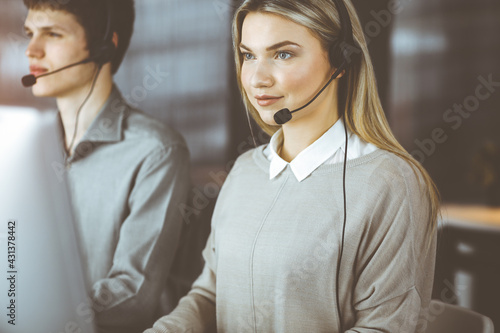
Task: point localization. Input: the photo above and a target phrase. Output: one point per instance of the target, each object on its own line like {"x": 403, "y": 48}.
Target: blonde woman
{"x": 294, "y": 246}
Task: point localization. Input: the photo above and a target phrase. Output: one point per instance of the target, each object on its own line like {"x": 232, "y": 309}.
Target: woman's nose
{"x": 262, "y": 75}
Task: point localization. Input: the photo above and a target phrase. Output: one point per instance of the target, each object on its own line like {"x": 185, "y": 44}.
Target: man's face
{"x": 57, "y": 40}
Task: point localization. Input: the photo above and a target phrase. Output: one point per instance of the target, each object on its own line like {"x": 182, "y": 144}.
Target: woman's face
{"x": 57, "y": 40}
{"x": 284, "y": 66}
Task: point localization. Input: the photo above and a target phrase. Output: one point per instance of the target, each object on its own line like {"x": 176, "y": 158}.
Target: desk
{"x": 467, "y": 265}
{"x": 474, "y": 214}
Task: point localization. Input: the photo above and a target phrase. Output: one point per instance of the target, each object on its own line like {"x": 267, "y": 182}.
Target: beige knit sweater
{"x": 271, "y": 258}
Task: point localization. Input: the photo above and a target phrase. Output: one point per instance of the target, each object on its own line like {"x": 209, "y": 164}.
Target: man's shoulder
{"x": 137, "y": 125}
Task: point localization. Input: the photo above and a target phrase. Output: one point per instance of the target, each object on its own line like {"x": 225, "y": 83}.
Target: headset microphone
{"x": 284, "y": 115}
{"x": 30, "y": 80}
{"x": 101, "y": 53}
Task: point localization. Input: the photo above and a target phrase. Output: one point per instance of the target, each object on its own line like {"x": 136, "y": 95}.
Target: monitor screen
{"x": 42, "y": 287}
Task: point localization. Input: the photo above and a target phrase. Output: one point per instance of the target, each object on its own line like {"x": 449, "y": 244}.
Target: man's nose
{"x": 35, "y": 48}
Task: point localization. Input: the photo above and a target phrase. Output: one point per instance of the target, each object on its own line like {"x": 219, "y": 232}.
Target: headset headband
{"x": 346, "y": 37}
{"x": 105, "y": 50}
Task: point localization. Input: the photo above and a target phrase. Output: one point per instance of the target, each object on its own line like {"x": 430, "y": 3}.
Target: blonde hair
{"x": 364, "y": 114}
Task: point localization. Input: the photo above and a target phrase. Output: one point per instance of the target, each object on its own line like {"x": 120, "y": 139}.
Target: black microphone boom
{"x": 284, "y": 115}
{"x": 30, "y": 80}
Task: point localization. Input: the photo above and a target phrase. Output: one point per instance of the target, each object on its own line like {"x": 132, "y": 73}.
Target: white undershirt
{"x": 328, "y": 149}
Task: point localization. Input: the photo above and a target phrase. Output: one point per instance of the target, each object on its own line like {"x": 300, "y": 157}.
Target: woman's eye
{"x": 284, "y": 55}
{"x": 247, "y": 56}
{"x": 54, "y": 35}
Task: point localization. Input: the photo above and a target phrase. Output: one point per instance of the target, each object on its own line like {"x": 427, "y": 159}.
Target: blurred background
{"x": 438, "y": 70}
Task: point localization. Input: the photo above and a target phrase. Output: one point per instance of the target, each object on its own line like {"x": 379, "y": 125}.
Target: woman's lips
{"x": 265, "y": 100}
{"x": 36, "y": 71}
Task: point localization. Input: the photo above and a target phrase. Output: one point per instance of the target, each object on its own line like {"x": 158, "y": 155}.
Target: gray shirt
{"x": 271, "y": 258}
{"x": 127, "y": 178}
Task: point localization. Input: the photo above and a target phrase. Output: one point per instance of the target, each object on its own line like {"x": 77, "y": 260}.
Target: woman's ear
{"x": 340, "y": 75}
{"x": 115, "y": 39}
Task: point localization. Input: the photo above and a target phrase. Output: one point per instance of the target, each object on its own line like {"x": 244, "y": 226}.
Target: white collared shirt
{"x": 328, "y": 149}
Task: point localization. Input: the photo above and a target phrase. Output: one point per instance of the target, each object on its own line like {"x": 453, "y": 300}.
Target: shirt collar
{"x": 106, "y": 127}
{"x": 310, "y": 158}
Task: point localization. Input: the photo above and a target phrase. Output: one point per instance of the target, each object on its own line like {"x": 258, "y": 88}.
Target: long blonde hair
{"x": 364, "y": 114}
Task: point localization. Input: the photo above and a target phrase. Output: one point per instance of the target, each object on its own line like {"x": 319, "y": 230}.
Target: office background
{"x": 437, "y": 65}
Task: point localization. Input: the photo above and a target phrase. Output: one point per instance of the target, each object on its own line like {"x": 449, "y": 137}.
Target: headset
{"x": 340, "y": 58}
{"x": 101, "y": 53}
{"x": 105, "y": 50}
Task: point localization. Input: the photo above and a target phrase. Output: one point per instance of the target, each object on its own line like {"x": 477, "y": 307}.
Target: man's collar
{"x": 107, "y": 126}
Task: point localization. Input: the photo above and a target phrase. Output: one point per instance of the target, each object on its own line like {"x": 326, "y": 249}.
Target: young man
{"x": 127, "y": 173}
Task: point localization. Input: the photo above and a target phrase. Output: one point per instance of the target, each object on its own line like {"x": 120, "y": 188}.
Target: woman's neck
{"x": 299, "y": 135}
{"x": 68, "y": 107}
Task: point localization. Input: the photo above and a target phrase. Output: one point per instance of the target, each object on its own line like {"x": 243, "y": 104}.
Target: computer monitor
{"x": 42, "y": 287}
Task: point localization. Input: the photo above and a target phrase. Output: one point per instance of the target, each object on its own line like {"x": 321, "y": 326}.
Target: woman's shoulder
{"x": 389, "y": 164}
{"x": 392, "y": 175}
{"x": 253, "y": 157}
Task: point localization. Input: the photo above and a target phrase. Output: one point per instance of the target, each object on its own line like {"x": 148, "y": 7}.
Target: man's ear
{"x": 115, "y": 39}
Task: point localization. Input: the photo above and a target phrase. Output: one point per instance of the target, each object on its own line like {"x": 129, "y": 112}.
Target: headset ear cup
{"x": 108, "y": 52}
{"x": 336, "y": 55}
{"x": 104, "y": 53}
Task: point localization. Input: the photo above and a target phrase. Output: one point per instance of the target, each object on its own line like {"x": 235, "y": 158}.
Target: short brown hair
{"x": 93, "y": 16}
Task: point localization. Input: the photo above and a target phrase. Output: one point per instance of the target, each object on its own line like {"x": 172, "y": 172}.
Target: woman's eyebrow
{"x": 281, "y": 44}
{"x": 273, "y": 47}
